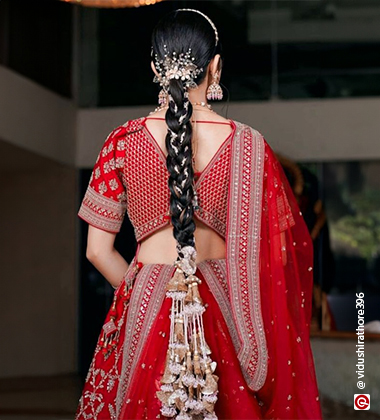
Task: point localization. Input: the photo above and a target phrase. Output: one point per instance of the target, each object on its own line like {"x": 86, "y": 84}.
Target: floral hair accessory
{"x": 176, "y": 66}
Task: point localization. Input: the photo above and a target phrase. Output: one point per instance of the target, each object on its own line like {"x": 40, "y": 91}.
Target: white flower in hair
{"x": 180, "y": 67}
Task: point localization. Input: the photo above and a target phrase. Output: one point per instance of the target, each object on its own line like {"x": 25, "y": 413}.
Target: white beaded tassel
{"x": 189, "y": 387}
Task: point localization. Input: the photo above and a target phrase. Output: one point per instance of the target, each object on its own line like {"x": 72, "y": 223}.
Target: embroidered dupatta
{"x": 269, "y": 256}
{"x": 269, "y": 274}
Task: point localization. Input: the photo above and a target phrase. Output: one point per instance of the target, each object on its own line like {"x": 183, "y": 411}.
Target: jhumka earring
{"x": 214, "y": 91}
{"x": 162, "y": 97}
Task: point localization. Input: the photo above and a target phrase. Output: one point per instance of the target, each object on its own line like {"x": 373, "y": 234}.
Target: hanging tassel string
{"x": 188, "y": 386}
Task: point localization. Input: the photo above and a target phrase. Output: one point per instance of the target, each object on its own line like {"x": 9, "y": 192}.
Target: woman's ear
{"x": 154, "y": 68}
{"x": 215, "y": 66}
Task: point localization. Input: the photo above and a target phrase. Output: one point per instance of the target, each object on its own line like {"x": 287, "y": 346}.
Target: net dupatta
{"x": 269, "y": 256}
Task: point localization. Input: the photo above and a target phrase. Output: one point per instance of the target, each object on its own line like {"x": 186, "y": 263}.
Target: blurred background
{"x": 304, "y": 73}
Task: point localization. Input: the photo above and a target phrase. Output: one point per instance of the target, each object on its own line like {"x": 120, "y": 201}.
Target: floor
{"x": 55, "y": 398}
{"x": 43, "y": 398}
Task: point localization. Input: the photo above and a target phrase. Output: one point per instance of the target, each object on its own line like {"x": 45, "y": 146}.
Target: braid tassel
{"x": 189, "y": 388}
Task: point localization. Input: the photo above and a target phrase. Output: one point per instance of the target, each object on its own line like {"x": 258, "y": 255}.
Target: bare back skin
{"x": 160, "y": 247}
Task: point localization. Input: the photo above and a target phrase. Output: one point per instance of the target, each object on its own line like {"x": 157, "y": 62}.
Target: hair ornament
{"x": 174, "y": 146}
{"x": 182, "y": 138}
{"x": 206, "y": 17}
{"x": 176, "y": 66}
{"x": 181, "y": 118}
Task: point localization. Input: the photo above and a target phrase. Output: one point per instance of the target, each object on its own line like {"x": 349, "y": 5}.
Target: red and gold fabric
{"x": 258, "y": 297}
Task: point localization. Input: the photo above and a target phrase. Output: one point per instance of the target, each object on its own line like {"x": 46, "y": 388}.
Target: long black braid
{"x": 173, "y": 39}
{"x": 177, "y": 32}
{"x": 179, "y": 163}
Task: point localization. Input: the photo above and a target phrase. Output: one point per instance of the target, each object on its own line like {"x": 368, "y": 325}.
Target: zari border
{"x": 243, "y": 249}
{"x": 141, "y": 232}
{"x": 146, "y": 301}
{"x": 214, "y": 272}
{"x": 101, "y": 211}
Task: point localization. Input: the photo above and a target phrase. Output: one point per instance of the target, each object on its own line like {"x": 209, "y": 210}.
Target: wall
{"x": 36, "y": 119}
{"x": 38, "y": 297}
{"x": 317, "y": 130}
{"x": 335, "y": 365}
{"x": 360, "y": 23}
{"x": 308, "y": 130}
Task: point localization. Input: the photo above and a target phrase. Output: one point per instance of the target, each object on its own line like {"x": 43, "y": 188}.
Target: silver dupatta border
{"x": 214, "y": 272}
{"x": 146, "y": 301}
{"x": 243, "y": 251}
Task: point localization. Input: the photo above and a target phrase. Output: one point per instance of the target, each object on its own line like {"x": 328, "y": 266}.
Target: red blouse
{"x": 130, "y": 175}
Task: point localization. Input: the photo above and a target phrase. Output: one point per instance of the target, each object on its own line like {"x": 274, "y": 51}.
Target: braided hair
{"x": 177, "y": 32}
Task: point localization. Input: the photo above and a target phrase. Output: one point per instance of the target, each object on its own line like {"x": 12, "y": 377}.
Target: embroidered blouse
{"x": 130, "y": 176}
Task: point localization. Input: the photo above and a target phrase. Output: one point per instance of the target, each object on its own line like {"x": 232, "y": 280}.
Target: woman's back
{"x": 211, "y": 132}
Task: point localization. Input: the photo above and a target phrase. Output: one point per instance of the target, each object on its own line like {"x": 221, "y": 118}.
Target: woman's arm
{"x": 104, "y": 205}
{"x": 104, "y": 257}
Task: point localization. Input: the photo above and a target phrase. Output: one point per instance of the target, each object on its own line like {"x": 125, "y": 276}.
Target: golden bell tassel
{"x": 168, "y": 377}
{"x": 180, "y": 352}
{"x": 197, "y": 364}
{"x": 191, "y": 392}
{"x": 211, "y": 385}
{"x": 178, "y": 330}
{"x": 177, "y": 282}
{"x": 196, "y": 296}
{"x": 189, "y": 386}
{"x": 189, "y": 363}
{"x": 198, "y": 342}
{"x": 163, "y": 396}
{"x": 179, "y": 403}
{"x": 208, "y": 406}
{"x": 189, "y": 296}
{"x": 183, "y": 370}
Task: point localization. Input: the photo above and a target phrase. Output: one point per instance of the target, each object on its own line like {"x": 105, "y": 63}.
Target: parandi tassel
{"x": 189, "y": 388}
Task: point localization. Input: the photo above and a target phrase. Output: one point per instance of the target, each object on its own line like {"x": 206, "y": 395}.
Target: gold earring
{"x": 214, "y": 91}
{"x": 162, "y": 97}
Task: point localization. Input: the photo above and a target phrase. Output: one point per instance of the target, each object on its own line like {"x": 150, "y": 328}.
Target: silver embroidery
{"x": 97, "y": 173}
{"x": 101, "y": 211}
{"x": 243, "y": 238}
{"x": 113, "y": 183}
{"x": 149, "y": 289}
{"x": 102, "y": 187}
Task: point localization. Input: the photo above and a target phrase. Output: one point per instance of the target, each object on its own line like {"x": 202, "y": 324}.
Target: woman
{"x": 211, "y": 317}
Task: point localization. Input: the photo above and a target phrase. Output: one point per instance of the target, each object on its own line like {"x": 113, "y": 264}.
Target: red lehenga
{"x": 258, "y": 298}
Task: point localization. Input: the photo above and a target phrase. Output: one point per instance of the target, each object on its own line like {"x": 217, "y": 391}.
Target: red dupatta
{"x": 269, "y": 257}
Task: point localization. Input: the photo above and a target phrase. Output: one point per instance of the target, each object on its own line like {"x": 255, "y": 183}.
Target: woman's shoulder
{"x": 246, "y": 128}
{"x": 128, "y": 126}
{"x": 119, "y": 134}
